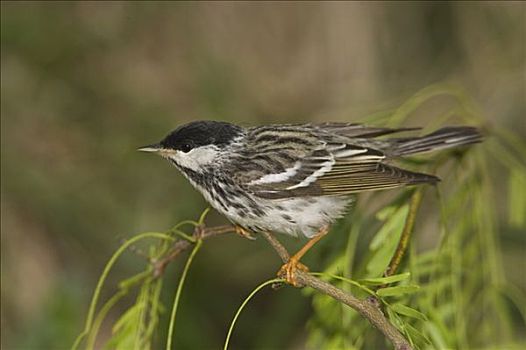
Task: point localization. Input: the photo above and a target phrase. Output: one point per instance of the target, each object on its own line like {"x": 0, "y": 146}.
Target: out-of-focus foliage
{"x": 84, "y": 84}
{"x": 458, "y": 286}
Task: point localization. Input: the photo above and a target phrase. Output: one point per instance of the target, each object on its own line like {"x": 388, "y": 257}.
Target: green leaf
{"x": 104, "y": 275}
{"x": 418, "y": 336}
{"x": 129, "y": 317}
{"x": 439, "y": 337}
{"x": 386, "y": 212}
{"x": 407, "y": 311}
{"x": 398, "y": 290}
{"x": 385, "y": 242}
{"x": 394, "y": 222}
{"x": 517, "y": 199}
{"x": 129, "y": 282}
{"x": 386, "y": 280}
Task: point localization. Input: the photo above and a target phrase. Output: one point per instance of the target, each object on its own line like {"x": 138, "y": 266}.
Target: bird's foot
{"x": 244, "y": 233}
{"x": 288, "y": 271}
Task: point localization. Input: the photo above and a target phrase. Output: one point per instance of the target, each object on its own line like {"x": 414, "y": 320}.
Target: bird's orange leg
{"x": 288, "y": 270}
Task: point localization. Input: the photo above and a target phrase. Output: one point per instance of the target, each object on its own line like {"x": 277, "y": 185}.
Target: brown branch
{"x": 416, "y": 199}
{"x": 200, "y": 232}
{"x": 368, "y": 308}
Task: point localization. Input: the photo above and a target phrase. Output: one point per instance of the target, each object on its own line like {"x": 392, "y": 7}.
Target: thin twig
{"x": 414, "y": 205}
{"x": 183, "y": 245}
{"x": 278, "y": 247}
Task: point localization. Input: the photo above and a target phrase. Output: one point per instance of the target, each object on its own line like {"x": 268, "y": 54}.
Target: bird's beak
{"x": 155, "y": 148}
{"x": 158, "y": 149}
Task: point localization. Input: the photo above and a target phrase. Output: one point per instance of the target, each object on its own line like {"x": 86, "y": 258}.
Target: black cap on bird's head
{"x": 196, "y": 145}
{"x": 196, "y": 134}
{"x": 200, "y": 133}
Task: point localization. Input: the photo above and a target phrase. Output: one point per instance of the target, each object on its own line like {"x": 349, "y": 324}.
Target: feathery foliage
{"x": 457, "y": 288}
{"x": 441, "y": 294}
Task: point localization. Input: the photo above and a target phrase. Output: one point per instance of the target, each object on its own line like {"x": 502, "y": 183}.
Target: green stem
{"x": 416, "y": 199}
{"x": 171, "y": 327}
{"x": 347, "y": 280}
{"x": 247, "y": 299}
{"x": 102, "y": 279}
{"x": 101, "y": 316}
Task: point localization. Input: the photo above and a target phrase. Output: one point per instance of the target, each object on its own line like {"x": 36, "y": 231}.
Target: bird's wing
{"x": 355, "y": 130}
{"x": 319, "y": 167}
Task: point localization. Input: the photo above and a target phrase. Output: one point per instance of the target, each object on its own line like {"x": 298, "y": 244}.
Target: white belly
{"x": 303, "y": 216}
{"x": 300, "y": 216}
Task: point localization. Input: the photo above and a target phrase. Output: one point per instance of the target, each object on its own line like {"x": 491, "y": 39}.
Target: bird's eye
{"x": 186, "y": 147}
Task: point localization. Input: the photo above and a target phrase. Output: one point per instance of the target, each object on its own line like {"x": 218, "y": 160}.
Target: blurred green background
{"x": 84, "y": 84}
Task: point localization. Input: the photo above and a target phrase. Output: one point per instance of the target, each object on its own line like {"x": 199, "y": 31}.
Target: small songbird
{"x": 295, "y": 179}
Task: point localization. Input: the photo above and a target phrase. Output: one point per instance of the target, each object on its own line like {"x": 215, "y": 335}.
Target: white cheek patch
{"x": 197, "y": 158}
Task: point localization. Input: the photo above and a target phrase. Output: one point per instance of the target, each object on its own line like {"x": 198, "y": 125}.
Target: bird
{"x": 296, "y": 179}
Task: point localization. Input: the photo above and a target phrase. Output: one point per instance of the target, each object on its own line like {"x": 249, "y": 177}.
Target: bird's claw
{"x": 288, "y": 271}
{"x": 244, "y": 233}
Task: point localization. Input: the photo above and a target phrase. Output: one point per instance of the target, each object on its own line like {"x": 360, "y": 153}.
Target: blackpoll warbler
{"x": 295, "y": 178}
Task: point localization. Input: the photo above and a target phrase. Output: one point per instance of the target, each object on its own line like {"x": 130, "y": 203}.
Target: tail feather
{"x": 447, "y": 137}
